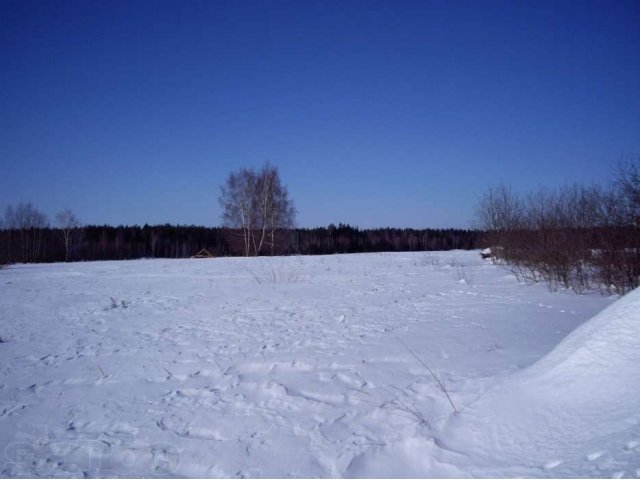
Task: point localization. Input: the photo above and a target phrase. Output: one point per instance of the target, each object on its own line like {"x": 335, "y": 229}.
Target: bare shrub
{"x": 463, "y": 274}
{"x": 431, "y": 260}
{"x": 115, "y": 304}
{"x": 573, "y": 237}
{"x": 273, "y": 274}
{"x": 439, "y": 382}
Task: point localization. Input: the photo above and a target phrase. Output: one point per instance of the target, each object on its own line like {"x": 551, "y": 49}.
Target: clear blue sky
{"x": 378, "y": 113}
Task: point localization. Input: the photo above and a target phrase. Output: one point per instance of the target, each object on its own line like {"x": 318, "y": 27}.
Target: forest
{"x": 36, "y": 244}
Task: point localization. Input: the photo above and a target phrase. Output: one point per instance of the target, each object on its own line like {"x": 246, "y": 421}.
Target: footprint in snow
{"x": 8, "y": 411}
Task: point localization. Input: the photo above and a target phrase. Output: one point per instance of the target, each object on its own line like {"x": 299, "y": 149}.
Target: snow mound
{"x": 608, "y": 338}
{"x": 598, "y": 363}
{"x": 573, "y": 413}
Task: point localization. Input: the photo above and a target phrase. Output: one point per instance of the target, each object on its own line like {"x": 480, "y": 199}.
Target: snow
{"x": 305, "y": 367}
{"x": 582, "y": 405}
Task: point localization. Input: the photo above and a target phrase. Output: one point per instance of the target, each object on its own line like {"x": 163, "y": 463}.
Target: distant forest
{"x": 87, "y": 243}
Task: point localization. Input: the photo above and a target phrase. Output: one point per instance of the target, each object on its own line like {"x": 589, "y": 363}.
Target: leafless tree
{"x": 236, "y": 200}
{"x": 259, "y": 205}
{"x": 29, "y": 222}
{"x": 500, "y": 214}
{"x": 275, "y": 209}
{"x": 69, "y": 224}
{"x": 628, "y": 181}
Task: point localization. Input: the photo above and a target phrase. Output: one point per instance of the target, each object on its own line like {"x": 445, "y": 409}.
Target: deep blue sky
{"x": 378, "y": 113}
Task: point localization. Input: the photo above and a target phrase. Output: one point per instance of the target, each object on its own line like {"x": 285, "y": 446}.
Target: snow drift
{"x": 576, "y": 412}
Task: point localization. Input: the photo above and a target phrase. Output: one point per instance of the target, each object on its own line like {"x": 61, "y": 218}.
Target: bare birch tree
{"x": 236, "y": 200}
{"x": 258, "y": 204}
{"x": 68, "y": 223}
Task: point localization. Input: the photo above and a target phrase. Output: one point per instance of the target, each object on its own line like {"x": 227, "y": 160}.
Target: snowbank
{"x": 576, "y": 412}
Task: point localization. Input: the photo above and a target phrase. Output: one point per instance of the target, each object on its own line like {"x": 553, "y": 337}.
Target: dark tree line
{"x": 348, "y": 239}
{"x": 105, "y": 242}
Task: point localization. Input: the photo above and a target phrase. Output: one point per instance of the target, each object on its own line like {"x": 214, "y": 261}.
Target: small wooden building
{"x": 204, "y": 253}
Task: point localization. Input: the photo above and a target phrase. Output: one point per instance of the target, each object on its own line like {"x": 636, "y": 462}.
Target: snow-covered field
{"x": 303, "y": 366}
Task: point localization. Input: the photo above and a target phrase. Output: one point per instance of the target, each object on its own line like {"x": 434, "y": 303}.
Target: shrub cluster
{"x": 574, "y": 237}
